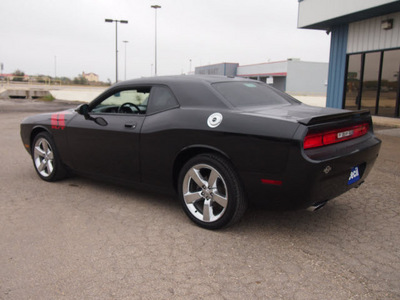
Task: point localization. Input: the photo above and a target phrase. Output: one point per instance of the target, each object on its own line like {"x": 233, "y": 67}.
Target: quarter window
{"x": 161, "y": 99}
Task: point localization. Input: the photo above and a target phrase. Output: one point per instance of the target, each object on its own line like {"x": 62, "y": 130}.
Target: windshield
{"x": 245, "y": 94}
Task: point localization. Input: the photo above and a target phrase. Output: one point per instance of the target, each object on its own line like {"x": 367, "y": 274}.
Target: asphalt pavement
{"x": 84, "y": 239}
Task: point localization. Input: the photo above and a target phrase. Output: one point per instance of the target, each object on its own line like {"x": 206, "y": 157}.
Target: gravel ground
{"x": 83, "y": 239}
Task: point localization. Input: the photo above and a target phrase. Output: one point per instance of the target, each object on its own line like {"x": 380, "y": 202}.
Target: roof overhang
{"x": 283, "y": 74}
{"x": 324, "y": 14}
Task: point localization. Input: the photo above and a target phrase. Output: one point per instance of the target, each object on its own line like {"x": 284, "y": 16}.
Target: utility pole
{"x": 155, "y": 39}
{"x": 125, "y": 42}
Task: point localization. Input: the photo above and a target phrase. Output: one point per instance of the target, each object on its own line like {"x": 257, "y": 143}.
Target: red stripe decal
{"x": 61, "y": 120}
{"x": 54, "y": 123}
{"x": 58, "y": 121}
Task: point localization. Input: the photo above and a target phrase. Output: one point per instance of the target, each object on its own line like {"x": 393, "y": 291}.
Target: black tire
{"x": 210, "y": 191}
{"x": 46, "y": 159}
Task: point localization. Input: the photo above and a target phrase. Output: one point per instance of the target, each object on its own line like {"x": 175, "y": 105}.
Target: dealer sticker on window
{"x": 354, "y": 175}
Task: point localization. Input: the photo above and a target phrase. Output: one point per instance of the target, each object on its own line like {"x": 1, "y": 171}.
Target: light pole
{"x": 116, "y": 43}
{"x": 125, "y": 42}
{"x": 155, "y": 39}
{"x": 1, "y": 73}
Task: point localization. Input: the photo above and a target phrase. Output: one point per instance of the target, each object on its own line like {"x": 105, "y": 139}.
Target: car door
{"x": 111, "y": 149}
{"x": 160, "y": 140}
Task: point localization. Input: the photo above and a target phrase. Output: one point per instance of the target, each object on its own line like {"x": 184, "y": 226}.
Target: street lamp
{"x": 116, "y": 43}
{"x": 155, "y": 50}
{"x": 1, "y": 73}
{"x": 55, "y": 67}
{"x": 125, "y": 42}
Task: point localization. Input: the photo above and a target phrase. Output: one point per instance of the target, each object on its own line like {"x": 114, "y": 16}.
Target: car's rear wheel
{"x": 46, "y": 159}
{"x": 210, "y": 191}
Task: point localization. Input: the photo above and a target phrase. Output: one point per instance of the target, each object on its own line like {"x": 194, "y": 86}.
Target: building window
{"x": 372, "y": 82}
{"x": 353, "y": 91}
{"x": 389, "y": 95}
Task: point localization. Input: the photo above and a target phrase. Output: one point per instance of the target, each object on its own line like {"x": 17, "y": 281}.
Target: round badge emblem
{"x": 214, "y": 120}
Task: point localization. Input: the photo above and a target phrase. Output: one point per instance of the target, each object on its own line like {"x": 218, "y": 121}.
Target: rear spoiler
{"x": 358, "y": 114}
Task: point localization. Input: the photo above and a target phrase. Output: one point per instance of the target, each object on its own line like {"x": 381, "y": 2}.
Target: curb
{"x": 385, "y": 121}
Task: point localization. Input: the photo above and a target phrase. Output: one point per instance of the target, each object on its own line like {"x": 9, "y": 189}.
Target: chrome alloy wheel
{"x": 205, "y": 193}
{"x": 43, "y": 157}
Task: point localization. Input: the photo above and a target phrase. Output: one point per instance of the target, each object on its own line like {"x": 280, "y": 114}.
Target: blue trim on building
{"x": 337, "y": 66}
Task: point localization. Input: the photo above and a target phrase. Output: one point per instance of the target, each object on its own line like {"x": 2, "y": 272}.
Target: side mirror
{"x": 100, "y": 121}
{"x": 84, "y": 111}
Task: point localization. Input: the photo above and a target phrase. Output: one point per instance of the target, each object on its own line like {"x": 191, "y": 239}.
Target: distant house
{"x": 13, "y": 77}
{"x": 91, "y": 76}
{"x": 7, "y": 76}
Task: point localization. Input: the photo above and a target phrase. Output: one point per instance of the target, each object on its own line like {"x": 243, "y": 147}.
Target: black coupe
{"x": 217, "y": 142}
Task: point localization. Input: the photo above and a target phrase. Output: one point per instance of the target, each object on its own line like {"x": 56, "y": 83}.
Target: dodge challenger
{"x": 214, "y": 141}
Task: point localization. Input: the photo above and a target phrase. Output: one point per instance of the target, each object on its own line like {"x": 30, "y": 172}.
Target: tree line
{"x": 19, "y": 76}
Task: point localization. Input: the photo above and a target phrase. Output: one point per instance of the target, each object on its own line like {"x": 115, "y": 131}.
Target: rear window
{"x": 244, "y": 94}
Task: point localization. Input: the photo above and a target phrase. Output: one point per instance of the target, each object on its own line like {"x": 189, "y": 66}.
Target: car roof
{"x": 174, "y": 79}
{"x": 190, "y": 90}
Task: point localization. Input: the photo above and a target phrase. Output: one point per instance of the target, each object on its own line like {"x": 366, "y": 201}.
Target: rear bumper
{"x": 315, "y": 176}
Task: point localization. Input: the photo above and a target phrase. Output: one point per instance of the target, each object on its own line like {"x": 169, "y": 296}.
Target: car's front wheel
{"x": 45, "y": 158}
{"x": 210, "y": 191}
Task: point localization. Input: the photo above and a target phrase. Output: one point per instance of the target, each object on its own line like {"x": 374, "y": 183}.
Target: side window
{"x": 161, "y": 99}
{"x": 130, "y": 101}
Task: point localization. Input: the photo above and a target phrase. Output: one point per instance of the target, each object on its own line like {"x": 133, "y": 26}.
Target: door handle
{"x": 130, "y": 125}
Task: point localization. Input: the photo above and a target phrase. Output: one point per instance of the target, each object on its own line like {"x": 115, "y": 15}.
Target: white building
{"x": 292, "y": 75}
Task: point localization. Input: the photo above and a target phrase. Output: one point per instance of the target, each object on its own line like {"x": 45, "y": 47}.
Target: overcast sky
{"x": 66, "y": 37}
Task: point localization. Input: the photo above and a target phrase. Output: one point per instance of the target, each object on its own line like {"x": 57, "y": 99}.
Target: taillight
{"x": 313, "y": 140}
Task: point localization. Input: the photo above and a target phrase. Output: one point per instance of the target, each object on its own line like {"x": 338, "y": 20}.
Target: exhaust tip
{"x": 316, "y": 206}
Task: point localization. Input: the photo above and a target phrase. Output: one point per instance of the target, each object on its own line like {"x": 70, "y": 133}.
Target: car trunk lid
{"x": 305, "y": 114}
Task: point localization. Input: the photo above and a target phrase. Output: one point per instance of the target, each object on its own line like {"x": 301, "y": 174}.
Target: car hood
{"x": 48, "y": 116}
{"x": 304, "y": 114}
